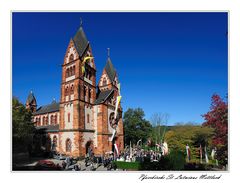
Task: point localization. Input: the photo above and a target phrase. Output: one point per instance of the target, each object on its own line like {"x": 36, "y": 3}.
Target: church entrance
{"x": 88, "y": 146}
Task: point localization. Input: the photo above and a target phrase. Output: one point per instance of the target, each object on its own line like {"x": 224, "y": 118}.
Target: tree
{"x": 179, "y": 136}
{"x": 159, "y": 121}
{"x": 135, "y": 126}
{"x": 217, "y": 118}
{"x": 22, "y": 127}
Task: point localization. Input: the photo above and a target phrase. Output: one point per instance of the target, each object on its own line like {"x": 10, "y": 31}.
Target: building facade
{"x": 85, "y": 114}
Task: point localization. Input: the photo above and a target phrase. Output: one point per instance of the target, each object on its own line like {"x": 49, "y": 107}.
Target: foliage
{"x": 217, "y": 118}
{"x": 179, "y": 136}
{"x": 135, "y": 126}
{"x": 127, "y": 165}
{"x": 22, "y": 127}
{"x": 159, "y": 121}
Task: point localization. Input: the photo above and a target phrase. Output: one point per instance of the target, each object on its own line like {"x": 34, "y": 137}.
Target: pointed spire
{"x": 81, "y": 22}
{"x": 108, "y": 52}
{"x": 80, "y": 40}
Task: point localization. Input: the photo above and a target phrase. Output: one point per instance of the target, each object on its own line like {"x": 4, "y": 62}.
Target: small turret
{"x": 31, "y": 103}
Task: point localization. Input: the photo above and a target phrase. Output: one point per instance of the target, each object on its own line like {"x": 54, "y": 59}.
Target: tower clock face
{"x": 113, "y": 122}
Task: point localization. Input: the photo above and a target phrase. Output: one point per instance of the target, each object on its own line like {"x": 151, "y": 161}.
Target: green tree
{"x": 22, "y": 127}
{"x": 135, "y": 126}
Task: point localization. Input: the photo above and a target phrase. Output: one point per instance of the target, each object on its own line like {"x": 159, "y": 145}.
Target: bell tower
{"x": 31, "y": 103}
{"x": 78, "y": 93}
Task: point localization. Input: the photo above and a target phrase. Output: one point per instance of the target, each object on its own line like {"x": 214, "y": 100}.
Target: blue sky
{"x": 167, "y": 62}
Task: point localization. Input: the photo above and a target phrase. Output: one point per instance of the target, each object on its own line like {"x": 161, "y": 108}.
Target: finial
{"x": 108, "y": 52}
{"x": 81, "y": 22}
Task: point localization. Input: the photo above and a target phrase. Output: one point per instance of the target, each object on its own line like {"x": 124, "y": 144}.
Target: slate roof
{"x": 54, "y": 106}
{"x": 48, "y": 128}
{"x": 111, "y": 72}
{"x": 102, "y": 96}
{"x": 30, "y": 97}
{"x": 80, "y": 41}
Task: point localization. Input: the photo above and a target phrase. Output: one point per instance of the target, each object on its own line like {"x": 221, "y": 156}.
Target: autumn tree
{"x": 217, "y": 118}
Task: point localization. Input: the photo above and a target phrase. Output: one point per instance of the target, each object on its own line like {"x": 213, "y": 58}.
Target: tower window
{"x": 52, "y": 122}
{"x": 74, "y": 70}
{"x": 66, "y": 90}
{"x": 71, "y": 58}
{"x": 104, "y": 81}
{"x": 89, "y": 93}
{"x": 55, "y": 120}
{"x": 70, "y": 72}
{"x": 69, "y": 117}
{"x": 67, "y": 72}
{"x": 72, "y": 89}
{"x": 88, "y": 121}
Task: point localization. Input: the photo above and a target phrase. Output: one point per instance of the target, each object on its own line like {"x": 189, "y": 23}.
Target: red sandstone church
{"x": 84, "y": 115}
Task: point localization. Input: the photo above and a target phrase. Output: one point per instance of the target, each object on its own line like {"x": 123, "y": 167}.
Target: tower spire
{"x": 108, "y": 52}
{"x": 81, "y": 22}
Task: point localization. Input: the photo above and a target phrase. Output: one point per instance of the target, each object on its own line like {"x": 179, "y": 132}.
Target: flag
{"x": 83, "y": 63}
{"x": 200, "y": 149}
{"x": 113, "y": 134}
{"x": 188, "y": 152}
{"x": 206, "y": 156}
{"x": 116, "y": 106}
{"x": 119, "y": 88}
{"x": 116, "y": 148}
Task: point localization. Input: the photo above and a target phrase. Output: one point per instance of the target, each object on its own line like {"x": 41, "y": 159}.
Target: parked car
{"x": 46, "y": 165}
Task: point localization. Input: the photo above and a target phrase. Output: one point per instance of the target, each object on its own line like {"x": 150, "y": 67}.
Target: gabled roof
{"x": 102, "y": 96}
{"x": 54, "y": 106}
{"x": 80, "y": 41}
{"x": 30, "y": 97}
{"x": 111, "y": 72}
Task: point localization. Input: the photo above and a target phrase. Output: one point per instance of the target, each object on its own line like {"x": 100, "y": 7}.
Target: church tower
{"x": 106, "y": 102}
{"x": 78, "y": 93}
{"x": 31, "y": 103}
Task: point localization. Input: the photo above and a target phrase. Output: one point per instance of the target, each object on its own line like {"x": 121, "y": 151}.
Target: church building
{"x": 84, "y": 117}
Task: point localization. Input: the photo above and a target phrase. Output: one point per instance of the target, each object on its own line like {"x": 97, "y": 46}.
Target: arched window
{"x": 88, "y": 120}
{"x": 66, "y": 90}
{"x": 44, "y": 120}
{"x": 72, "y": 89}
{"x": 68, "y": 145}
{"x": 55, "y": 120}
{"x": 89, "y": 94}
{"x": 104, "y": 81}
{"x": 71, "y": 58}
{"x": 74, "y": 70}
{"x": 67, "y": 72}
{"x": 47, "y": 120}
{"x": 39, "y": 120}
{"x": 52, "y": 122}
{"x": 70, "y": 72}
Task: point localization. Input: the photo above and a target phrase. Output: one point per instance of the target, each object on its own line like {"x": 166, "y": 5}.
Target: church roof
{"x": 102, "y": 96}
{"x": 30, "y": 97}
{"x": 111, "y": 72}
{"x": 54, "y": 106}
{"x": 80, "y": 41}
{"x": 48, "y": 128}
